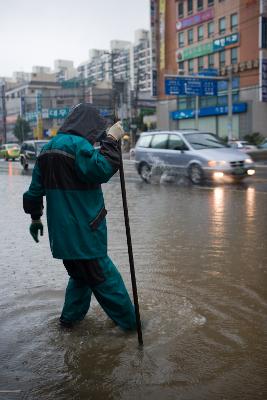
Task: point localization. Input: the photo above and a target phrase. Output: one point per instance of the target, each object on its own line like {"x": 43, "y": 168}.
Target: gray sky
{"x": 34, "y": 32}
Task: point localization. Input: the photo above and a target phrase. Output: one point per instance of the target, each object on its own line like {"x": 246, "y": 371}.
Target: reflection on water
{"x": 217, "y": 219}
{"x": 202, "y": 289}
{"x": 250, "y": 203}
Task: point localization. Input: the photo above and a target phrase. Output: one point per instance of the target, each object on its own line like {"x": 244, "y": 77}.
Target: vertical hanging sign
{"x": 39, "y": 128}
{"x": 162, "y": 12}
{"x": 153, "y": 53}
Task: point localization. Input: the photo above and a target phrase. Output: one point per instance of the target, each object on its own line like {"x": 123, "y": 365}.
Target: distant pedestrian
{"x": 69, "y": 172}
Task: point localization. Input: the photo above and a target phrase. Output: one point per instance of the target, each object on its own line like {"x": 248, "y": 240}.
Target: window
{"x": 222, "y": 25}
{"x": 200, "y": 63}
{"x": 222, "y": 100}
{"x": 190, "y": 66}
{"x": 144, "y": 141}
{"x": 189, "y": 6}
{"x": 180, "y": 9}
{"x": 159, "y": 141}
{"x": 200, "y": 33}
{"x": 222, "y": 58}
{"x": 190, "y": 36}
{"x": 199, "y": 4}
{"x": 181, "y": 39}
{"x": 234, "y": 22}
{"x": 234, "y": 55}
{"x": 211, "y": 60}
{"x": 210, "y": 29}
{"x": 181, "y": 66}
{"x": 176, "y": 143}
{"x": 201, "y": 141}
{"x": 210, "y": 3}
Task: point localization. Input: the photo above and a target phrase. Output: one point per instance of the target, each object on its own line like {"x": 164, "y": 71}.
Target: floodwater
{"x": 201, "y": 268}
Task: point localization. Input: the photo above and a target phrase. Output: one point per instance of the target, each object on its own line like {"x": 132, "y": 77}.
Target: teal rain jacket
{"x": 69, "y": 172}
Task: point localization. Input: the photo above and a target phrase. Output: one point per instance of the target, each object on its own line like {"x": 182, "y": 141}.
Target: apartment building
{"x": 221, "y": 36}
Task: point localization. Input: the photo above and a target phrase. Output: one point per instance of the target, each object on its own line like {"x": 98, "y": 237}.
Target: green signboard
{"x": 57, "y": 113}
{"x": 50, "y": 113}
{"x": 221, "y": 43}
{"x": 194, "y": 51}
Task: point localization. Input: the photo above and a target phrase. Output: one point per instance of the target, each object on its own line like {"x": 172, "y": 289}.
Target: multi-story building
{"x": 141, "y": 62}
{"x": 209, "y": 36}
{"x": 51, "y": 100}
{"x": 64, "y": 70}
{"x": 97, "y": 68}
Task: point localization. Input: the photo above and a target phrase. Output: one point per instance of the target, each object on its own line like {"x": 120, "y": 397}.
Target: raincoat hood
{"x": 85, "y": 120}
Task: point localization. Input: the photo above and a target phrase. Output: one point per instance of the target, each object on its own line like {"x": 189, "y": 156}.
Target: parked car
{"x": 260, "y": 153}
{"x": 241, "y": 145}
{"x": 29, "y": 152}
{"x": 263, "y": 145}
{"x": 199, "y": 155}
{"x": 9, "y": 151}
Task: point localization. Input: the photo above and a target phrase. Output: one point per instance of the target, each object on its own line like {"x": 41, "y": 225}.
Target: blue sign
{"x": 209, "y": 72}
{"x": 221, "y": 43}
{"x": 208, "y": 111}
{"x": 106, "y": 112}
{"x": 179, "y": 86}
{"x": 264, "y": 80}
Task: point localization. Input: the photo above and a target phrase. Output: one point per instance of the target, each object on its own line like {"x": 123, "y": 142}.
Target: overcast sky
{"x": 36, "y": 32}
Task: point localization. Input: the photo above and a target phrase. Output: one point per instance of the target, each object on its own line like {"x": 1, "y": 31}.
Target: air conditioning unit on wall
{"x": 255, "y": 63}
{"x": 223, "y": 71}
{"x": 235, "y": 68}
{"x": 249, "y": 64}
{"x": 242, "y": 66}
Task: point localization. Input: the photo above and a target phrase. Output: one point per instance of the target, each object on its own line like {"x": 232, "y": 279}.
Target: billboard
{"x": 195, "y": 19}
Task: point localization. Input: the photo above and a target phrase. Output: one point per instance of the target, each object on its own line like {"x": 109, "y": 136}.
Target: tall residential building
{"x": 64, "y": 70}
{"x": 107, "y": 65}
{"x": 196, "y": 36}
{"x": 141, "y": 63}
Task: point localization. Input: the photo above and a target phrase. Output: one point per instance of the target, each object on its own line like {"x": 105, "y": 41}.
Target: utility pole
{"x": 197, "y": 113}
{"x": 230, "y": 103}
{"x": 3, "y": 95}
{"x": 134, "y": 130}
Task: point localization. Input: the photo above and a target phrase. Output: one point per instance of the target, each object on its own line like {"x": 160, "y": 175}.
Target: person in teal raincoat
{"x": 69, "y": 172}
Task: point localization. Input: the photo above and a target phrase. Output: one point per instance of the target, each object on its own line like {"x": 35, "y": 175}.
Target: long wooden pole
{"x": 130, "y": 251}
{"x": 127, "y": 226}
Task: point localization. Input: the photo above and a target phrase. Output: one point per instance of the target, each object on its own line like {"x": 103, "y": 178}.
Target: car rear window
{"x": 144, "y": 141}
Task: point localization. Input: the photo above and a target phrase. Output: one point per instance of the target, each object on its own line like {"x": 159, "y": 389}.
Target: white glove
{"x": 116, "y": 131}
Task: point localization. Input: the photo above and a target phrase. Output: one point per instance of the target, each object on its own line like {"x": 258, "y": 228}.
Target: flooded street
{"x": 201, "y": 268}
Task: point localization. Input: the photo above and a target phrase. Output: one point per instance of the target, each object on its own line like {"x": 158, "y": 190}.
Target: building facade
{"x": 211, "y": 37}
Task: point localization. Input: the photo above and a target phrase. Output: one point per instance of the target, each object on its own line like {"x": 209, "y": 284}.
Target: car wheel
{"x": 196, "y": 174}
{"x": 23, "y": 163}
{"x": 145, "y": 172}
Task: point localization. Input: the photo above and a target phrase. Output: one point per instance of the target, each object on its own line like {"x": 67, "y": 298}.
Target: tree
{"x": 21, "y": 129}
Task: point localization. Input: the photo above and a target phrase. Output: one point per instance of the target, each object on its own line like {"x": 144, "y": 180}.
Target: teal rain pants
{"x": 101, "y": 278}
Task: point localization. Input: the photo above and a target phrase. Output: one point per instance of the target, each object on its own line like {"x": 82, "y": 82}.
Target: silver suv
{"x": 199, "y": 155}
